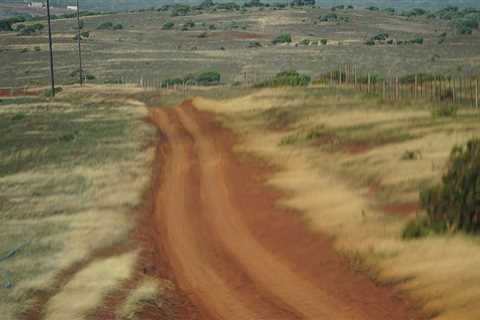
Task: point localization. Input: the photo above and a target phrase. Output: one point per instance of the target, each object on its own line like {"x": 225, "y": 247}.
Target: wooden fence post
{"x": 355, "y": 75}
{"x": 368, "y": 81}
{"x": 383, "y": 89}
{"x": 476, "y": 93}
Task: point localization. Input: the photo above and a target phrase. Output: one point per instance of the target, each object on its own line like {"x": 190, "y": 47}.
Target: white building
{"x": 36, "y": 5}
{"x": 73, "y": 8}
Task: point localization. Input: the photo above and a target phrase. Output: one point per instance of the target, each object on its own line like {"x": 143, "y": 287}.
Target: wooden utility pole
{"x": 79, "y": 45}
{"x": 52, "y": 76}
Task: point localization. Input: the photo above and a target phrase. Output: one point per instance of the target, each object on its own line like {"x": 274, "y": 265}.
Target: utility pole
{"x": 52, "y": 76}
{"x": 79, "y": 46}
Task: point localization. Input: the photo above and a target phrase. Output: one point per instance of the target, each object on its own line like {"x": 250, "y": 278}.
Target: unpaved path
{"x": 234, "y": 253}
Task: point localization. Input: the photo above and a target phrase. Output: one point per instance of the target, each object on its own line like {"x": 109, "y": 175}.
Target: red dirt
{"x": 17, "y": 93}
{"x": 239, "y": 35}
{"x": 233, "y": 252}
{"x": 407, "y": 208}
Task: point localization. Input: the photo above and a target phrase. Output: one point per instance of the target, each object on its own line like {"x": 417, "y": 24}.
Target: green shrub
{"x": 418, "y": 40}
{"x": 118, "y": 27}
{"x": 287, "y": 78}
{"x": 31, "y": 29}
{"x": 382, "y": 36}
{"x": 168, "y": 25}
{"x": 19, "y": 116}
{"x": 105, "y": 26}
{"x": 444, "y": 111}
{"x": 370, "y": 42}
{"x": 85, "y": 34}
{"x": 208, "y": 78}
{"x": 454, "y": 203}
{"x": 417, "y": 228}
{"x": 324, "y": 41}
{"x": 328, "y": 17}
{"x": 254, "y": 44}
{"x": 283, "y": 38}
{"x": 202, "y": 79}
{"x": 37, "y": 48}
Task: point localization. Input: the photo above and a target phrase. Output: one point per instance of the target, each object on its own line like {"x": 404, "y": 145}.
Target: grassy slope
{"x": 342, "y": 157}
{"x": 71, "y": 171}
{"x": 143, "y": 49}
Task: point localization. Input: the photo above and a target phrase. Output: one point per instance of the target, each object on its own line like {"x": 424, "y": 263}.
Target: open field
{"x": 72, "y": 173}
{"x": 345, "y": 162}
{"x": 241, "y": 199}
{"x": 220, "y": 41}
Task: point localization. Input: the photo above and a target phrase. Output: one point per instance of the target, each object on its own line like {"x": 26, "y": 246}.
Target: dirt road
{"x": 233, "y": 252}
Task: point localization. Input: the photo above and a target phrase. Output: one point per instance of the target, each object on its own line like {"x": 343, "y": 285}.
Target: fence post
{"x": 476, "y": 93}
{"x": 355, "y": 75}
{"x": 416, "y": 86}
{"x": 368, "y": 83}
{"x": 383, "y": 90}
{"x": 397, "y": 89}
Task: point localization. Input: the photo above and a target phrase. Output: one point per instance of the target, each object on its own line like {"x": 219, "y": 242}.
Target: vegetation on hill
{"x": 283, "y": 38}
{"x": 207, "y": 78}
{"x": 287, "y": 78}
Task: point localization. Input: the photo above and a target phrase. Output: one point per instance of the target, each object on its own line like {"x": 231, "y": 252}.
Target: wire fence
{"x": 462, "y": 90}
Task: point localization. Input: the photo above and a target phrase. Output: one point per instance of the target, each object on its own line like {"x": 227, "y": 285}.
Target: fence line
{"x": 436, "y": 88}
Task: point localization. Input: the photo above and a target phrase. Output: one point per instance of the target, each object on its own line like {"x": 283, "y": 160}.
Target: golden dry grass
{"x": 333, "y": 188}
{"x": 69, "y": 210}
{"x": 84, "y": 293}
{"x": 149, "y": 292}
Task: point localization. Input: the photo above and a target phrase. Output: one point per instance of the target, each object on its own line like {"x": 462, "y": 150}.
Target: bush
{"x": 305, "y": 42}
{"x": 85, "y": 34}
{"x": 283, "y": 38}
{"x": 382, "y": 36}
{"x": 370, "y": 42}
{"x": 254, "y": 44}
{"x": 31, "y": 29}
{"x": 418, "y": 40}
{"x": 208, "y": 78}
{"x": 168, "y": 25}
{"x": 328, "y": 17}
{"x": 324, "y": 41}
{"x": 105, "y": 26}
{"x": 444, "y": 111}
{"x": 454, "y": 203}
{"x": 5, "y": 25}
{"x": 202, "y": 79}
{"x": 287, "y": 78}
{"x": 118, "y": 27}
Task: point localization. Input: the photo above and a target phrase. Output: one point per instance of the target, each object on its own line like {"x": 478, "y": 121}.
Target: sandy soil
{"x": 233, "y": 252}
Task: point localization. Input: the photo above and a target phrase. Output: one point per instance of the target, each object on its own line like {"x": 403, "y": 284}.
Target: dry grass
{"x": 69, "y": 184}
{"x": 149, "y": 292}
{"x": 342, "y": 193}
{"x": 84, "y": 293}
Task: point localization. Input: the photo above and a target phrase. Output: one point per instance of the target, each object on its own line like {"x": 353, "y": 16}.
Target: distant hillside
{"x": 120, "y": 5}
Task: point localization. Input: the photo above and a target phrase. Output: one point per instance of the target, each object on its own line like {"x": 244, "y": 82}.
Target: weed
{"x": 444, "y": 111}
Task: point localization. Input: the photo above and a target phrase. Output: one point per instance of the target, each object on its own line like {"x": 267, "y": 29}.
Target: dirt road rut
{"x": 234, "y": 253}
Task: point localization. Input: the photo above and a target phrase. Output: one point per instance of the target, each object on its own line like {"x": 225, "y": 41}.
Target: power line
{"x": 79, "y": 45}
{"x": 52, "y": 76}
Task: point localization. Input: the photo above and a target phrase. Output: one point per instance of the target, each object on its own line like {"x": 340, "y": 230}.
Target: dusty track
{"x": 233, "y": 252}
